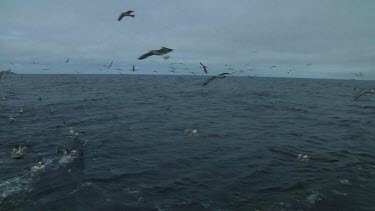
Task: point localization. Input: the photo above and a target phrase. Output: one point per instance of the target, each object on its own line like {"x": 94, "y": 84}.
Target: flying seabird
{"x": 358, "y": 74}
{"x": 159, "y": 52}
{"x": 222, "y": 75}
{"x": 110, "y": 65}
{"x": 370, "y": 91}
{"x": 67, "y": 60}
{"x": 204, "y": 67}
{"x": 127, "y": 13}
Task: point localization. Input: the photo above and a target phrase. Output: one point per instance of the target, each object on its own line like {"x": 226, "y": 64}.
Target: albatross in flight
{"x": 159, "y": 52}
{"x": 127, "y": 13}
{"x": 110, "y": 65}
{"x": 370, "y": 91}
{"x": 222, "y": 75}
{"x": 204, "y": 67}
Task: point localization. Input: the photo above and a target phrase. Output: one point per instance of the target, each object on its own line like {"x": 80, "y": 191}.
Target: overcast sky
{"x": 314, "y": 38}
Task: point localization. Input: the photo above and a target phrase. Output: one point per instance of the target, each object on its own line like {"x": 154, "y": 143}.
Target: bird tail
{"x": 132, "y": 16}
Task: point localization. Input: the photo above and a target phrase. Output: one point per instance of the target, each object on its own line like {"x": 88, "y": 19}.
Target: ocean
{"x": 137, "y": 156}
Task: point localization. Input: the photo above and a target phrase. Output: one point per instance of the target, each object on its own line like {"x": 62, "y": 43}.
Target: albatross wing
{"x": 360, "y": 95}
{"x": 150, "y": 53}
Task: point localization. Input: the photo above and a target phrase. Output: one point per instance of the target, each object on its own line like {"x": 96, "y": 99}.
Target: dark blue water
{"x": 136, "y": 156}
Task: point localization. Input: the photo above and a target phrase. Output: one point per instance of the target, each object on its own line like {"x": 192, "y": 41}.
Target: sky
{"x": 309, "y": 38}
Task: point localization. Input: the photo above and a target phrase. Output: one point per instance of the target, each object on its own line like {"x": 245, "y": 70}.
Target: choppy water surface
{"x": 136, "y": 156}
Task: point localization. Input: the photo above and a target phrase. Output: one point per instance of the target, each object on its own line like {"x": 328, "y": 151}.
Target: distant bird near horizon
{"x": 204, "y": 67}
{"x": 159, "y": 52}
{"x": 172, "y": 68}
{"x": 360, "y": 74}
{"x": 110, "y": 65}
{"x": 220, "y": 76}
{"x": 124, "y": 14}
{"x": 370, "y": 91}
{"x": 133, "y": 68}
{"x": 67, "y": 60}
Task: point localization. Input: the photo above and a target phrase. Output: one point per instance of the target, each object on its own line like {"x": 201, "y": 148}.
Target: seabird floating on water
{"x": 127, "y": 13}
{"x": 12, "y": 119}
{"x": 204, "y": 67}
{"x": 191, "y": 132}
{"x": 222, "y": 75}
{"x": 17, "y": 152}
{"x": 159, "y": 52}
{"x": 301, "y": 157}
{"x": 370, "y": 91}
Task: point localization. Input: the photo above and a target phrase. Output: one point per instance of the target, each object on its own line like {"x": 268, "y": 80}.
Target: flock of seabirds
{"x": 18, "y": 152}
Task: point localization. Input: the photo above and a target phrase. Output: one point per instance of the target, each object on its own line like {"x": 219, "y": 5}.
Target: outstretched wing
{"x": 222, "y": 74}
{"x": 323, "y": 159}
{"x": 209, "y": 80}
{"x": 121, "y": 16}
{"x": 110, "y": 65}
{"x": 146, "y": 55}
{"x": 358, "y": 96}
{"x": 282, "y": 152}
